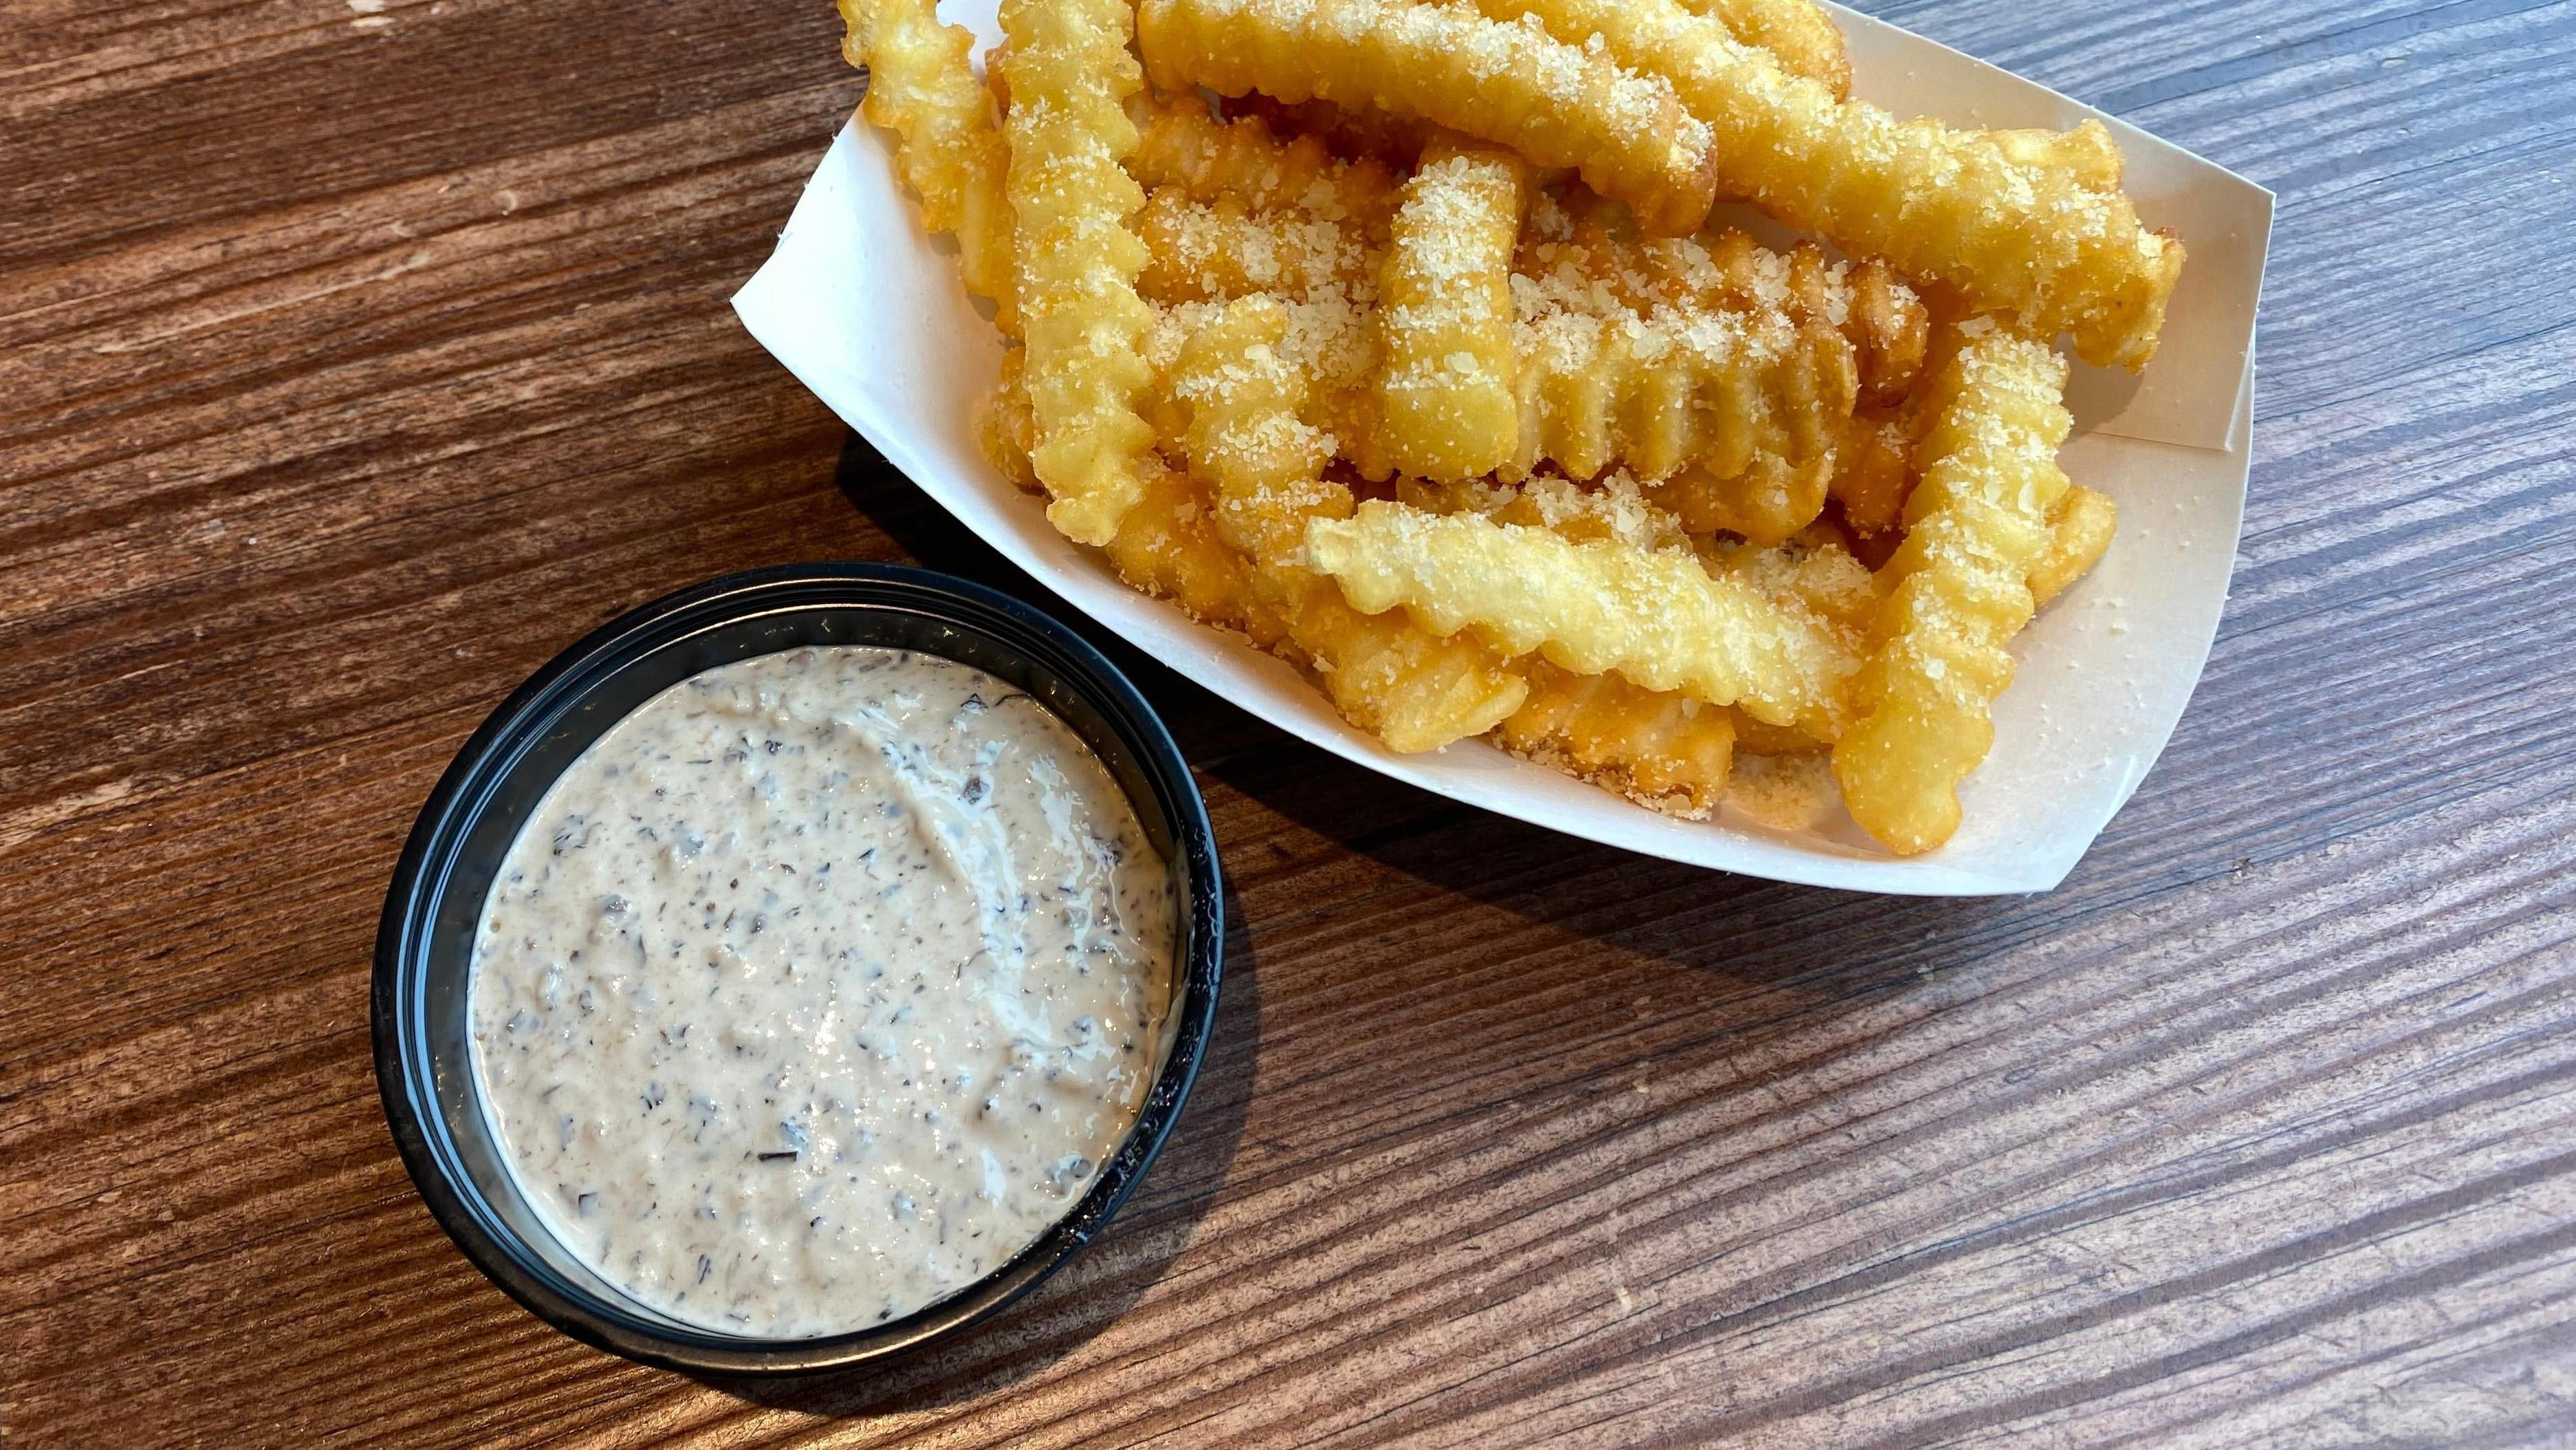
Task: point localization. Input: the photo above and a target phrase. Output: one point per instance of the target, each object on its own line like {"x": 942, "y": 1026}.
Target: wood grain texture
{"x": 354, "y": 359}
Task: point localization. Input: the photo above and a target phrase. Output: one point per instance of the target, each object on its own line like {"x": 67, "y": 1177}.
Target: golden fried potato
{"x": 1218, "y": 251}
{"x": 948, "y": 139}
{"x": 1180, "y": 143}
{"x": 1814, "y": 569}
{"x": 1331, "y": 344}
{"x": 1749, "y": 406}
{"x": 1767, "y": 502}
{"x": 1365, "y": 374}
{"x": 1615, "y": 509}
{"x": 1363, "y": 132}
{"x": 1742, "y": 383}
{"x": 2086, "y": 153}
{"x": 2079, "y": 534}
{"x": 1717, "y": 394}
{"x": 2032, "y": 242}
{"x": 1168, "y": 546}
{"x": 1005, "y": 428}
{"x": 1445, "y": 388}
{"x": 1888, "y": 326}
{"x": 1556, "y": 104}
{"x": 1585, "y": 246}
{"x": 1413, "y": 690}
{"x": 1797, "y": 33}
{"x": 1752, "y": 737}
{"x": 1244, "y": 436}
{"x": 1660, "y": 748}
{"x": 1069, "y": 74}
{"x": 1660, "y": 619}
{"x": 1976, "y": 525}
{"x": 1873, "y": 473}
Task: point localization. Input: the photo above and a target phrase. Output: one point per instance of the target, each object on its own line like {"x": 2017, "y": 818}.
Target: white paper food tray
{"x": 869, "y": 313}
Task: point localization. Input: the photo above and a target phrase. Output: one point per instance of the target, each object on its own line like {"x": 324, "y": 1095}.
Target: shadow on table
{"x": 1822, "y": 943}
{"x": 1758, "y": 954}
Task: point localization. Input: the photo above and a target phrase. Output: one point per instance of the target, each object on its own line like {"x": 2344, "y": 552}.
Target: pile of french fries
{"x": 1394, "y": 335}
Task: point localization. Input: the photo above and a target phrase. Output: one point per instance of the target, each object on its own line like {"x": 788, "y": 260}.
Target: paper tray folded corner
{"x": 2188, "y": 394}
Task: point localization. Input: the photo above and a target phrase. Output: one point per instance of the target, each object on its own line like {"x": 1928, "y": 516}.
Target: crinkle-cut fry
{"x": 1873, "y": 307}
{"x": 1587, "y": 237}
{"x": 1976, "y": 525}
{"x": 1800, "y": 36}
{"x": 1755, "y": 429}
{"x": 1813, "y": 569}
{"x": 1725, "y": 391}
{"x": 1882, "y": 318}
{"x": 1070, "y": 75}
{"x": 2086, "y": 153}
{"x": 2032, "y": 243}
{"x": 1331, "y": 343}
{"x": 1717, "y": 394}
{"x": 1890, "y": 328}
{"x": 1752, "y": 737}
{"x": 993, "y": 77}
{"x": 1767, "y": 502}
{"x": 1216, "y": 251}
{"x": 948, "y": 136}
{"x": 1244, "y": 436}
{"x": 1413, "y": 690}
{"x": 1168, "y": 546}
{"x": 1181, "y": 143}
{"x": 2078, "y": 536}
{"x": 1445, "y": 390}
{"x": 1660, "y": 748}
{"x": 1555, "y": 104}
{"x": 1005, "y": 428}
{"x": 1660, "y": 619}
{"x": 1616, "y": 509}
{"x": 1364, "y": 132}
{"x": 1873, "y": 472}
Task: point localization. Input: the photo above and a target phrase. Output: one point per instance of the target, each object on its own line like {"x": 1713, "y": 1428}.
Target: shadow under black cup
{"x": 424, "y": 944}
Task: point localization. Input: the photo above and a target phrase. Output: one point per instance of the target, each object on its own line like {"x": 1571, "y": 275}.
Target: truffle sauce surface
{"x": 820, "y": 986}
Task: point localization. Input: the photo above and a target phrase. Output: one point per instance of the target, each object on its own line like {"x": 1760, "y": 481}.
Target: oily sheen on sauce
{"x": 820, "y": 986}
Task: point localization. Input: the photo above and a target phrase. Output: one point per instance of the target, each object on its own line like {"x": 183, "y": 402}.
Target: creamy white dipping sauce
{"x": 819, "y": 987}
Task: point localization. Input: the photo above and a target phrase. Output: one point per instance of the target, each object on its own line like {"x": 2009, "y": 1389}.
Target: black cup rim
{"x": 407, "y": 929}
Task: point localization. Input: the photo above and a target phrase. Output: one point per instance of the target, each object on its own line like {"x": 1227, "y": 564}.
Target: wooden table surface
{"x": 356, "y": 355}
